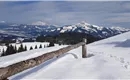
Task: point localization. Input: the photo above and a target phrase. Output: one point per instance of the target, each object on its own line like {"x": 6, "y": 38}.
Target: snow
{"x": 119, "y": 28}
{"x": 58, "y": 29}
{"x": 84, "y": 23}
{"x": 2, "y": 48}
{"x": 62, "y": 31}
{"x": 11, "y": 59}
{"x": 29, "y": 44}
{"x": 53, "y": 30}
{"x": 107, "y": 59}
{"x": 94, "y": 30}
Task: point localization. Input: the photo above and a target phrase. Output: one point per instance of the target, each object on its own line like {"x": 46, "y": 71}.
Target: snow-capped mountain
{"x": 41, "y": 28}
{"x": 97, "y": 31}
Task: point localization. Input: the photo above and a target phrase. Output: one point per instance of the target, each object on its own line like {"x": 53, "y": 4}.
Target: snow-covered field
{"x": 28, "y": 45}
{"x": 10, "y": 59}
{"x": 108, "y": 59}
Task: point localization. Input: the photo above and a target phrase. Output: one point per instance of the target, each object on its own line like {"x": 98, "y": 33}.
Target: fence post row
{"x": 10, "y": 70}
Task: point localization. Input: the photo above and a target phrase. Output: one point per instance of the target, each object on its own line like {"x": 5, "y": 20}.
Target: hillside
{"x": 108, "y": 59}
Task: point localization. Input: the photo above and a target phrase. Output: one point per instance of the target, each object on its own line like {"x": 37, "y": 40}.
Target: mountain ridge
{"x": 32, "y": 31}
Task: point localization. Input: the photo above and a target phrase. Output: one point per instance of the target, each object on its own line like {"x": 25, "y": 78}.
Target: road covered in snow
{"x": 107, "y": 59}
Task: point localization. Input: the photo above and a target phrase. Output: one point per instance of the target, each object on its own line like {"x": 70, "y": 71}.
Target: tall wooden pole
{"x": 84, "y": 51}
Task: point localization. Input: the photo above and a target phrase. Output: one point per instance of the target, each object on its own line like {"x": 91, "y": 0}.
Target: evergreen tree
{"x": 40, "y": 46}
{"x": 44, "y": 46}
{"x": 12, "y": 49}
{"x": 51, "y": 44}
{"x": 31, "y": 48}
{"x": 59, "y": 44}
{"x": 7, "y": 52}
{"x": 36, "y": 47}
{"x": 25, "y": 49}
{"x": 21, "y": 48}
{"x": 3, "y": 53}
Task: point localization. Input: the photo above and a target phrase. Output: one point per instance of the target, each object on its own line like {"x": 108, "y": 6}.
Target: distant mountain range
{"x": 41, "y": 28}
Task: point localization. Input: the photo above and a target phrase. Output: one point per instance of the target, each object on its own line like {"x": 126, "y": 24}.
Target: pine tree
{"x": 36, "y": 47}
{"x": 12, "y": 50}
{"x": 21, "y": 48}
{"x": 44, "y": 46}
{"x": 40, "y": 46}
{"x": 25, "y": 49}
{"x": 31, "y": 48}
{"x": 3, "y": 53}
{"x": 7, "y": 52}
{"x": 51, "y": 44}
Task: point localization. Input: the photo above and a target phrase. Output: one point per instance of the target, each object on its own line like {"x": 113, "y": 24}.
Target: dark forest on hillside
{"x": 67, "y": 38}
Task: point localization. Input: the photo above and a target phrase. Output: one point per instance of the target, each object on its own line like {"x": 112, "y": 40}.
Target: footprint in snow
{"x": 111, "y": 56}
{"x": 122, "y": 60}
{"x": 128, "y": 63}
{"x": 125, "y": 66}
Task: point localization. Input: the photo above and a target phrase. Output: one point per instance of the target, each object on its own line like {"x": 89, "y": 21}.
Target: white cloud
{"x": 126, "y": 5}
{"x": 119, "y": 19}
{"x": 61, "y": 13}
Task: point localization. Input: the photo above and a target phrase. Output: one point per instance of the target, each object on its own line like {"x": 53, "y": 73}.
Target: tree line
{"x": 68, "y": 38}
{"x": 13, "y": 49}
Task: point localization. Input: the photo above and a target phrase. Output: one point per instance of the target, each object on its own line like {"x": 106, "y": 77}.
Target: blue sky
{"x": 107, "y": 13}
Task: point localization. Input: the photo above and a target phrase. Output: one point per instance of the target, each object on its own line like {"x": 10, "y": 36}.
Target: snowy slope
{"x": 11, "y": 59}
{"x": 108, "y": 59}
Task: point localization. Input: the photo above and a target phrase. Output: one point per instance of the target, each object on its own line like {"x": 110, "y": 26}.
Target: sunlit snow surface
{"x": 108, "y": 59}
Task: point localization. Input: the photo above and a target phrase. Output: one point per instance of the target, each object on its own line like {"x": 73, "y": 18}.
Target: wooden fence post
{"x": 84, "y": 51}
